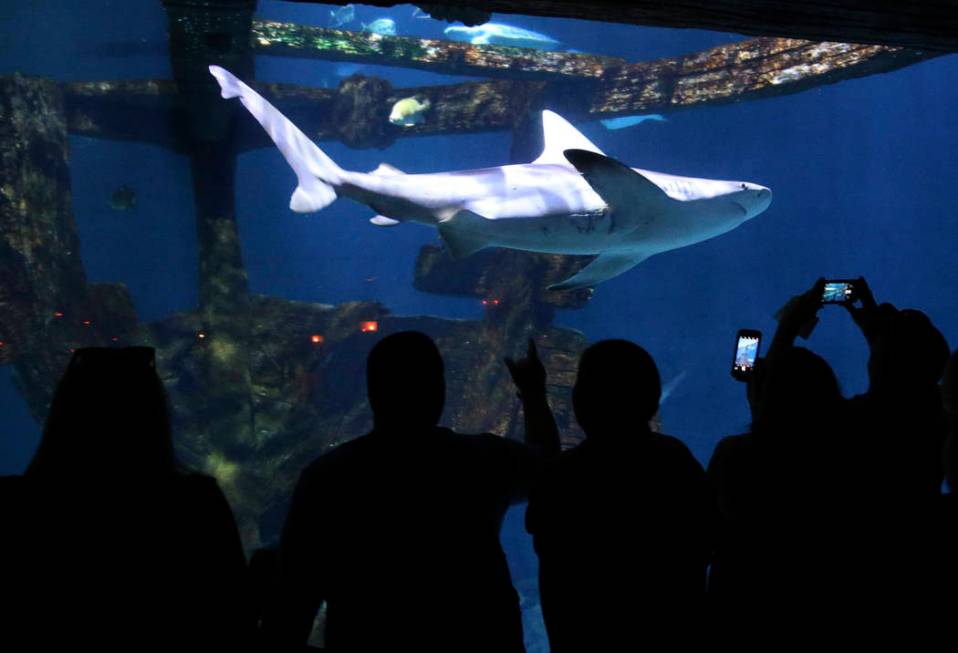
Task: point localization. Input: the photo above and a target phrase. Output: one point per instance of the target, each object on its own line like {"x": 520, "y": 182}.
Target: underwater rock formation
{"x": 44, "y": 295}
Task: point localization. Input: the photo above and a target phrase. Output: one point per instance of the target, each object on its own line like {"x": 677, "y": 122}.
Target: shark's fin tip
{"x": 309, "y": 200}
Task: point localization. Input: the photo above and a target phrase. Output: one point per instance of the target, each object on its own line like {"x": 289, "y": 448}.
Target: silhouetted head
{"x": 405, "y": 381}
{"x": 616, "y": 390}
{"x": 909, "y": 352}
{"x": 800, "y": 392}
{"x": 109, "y": 417}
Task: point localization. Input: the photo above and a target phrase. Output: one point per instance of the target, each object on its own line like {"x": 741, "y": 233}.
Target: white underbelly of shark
{"x": 571, "y": 200}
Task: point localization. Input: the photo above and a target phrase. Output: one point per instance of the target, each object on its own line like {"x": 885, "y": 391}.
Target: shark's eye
{"x": 744, "y": 186}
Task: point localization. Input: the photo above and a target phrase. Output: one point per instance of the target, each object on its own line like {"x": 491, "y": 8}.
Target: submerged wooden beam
{"x": 447, "y": 57}
{"x": 357, "y": 113}
{"x": 922, "y": 25}
{"x": 757, "y": 68}
{"x": 144, "y": 111}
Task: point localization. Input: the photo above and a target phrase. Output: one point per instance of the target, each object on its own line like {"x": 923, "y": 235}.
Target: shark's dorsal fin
{"x": 386, "y": 170}
{"x": 559, "y": 135}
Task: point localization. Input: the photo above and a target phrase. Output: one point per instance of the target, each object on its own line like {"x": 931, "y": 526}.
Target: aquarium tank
{"x": 138, "y": 206}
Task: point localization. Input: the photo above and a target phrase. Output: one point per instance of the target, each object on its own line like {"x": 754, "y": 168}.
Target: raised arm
{"x": 797, "y": 317}
{"x": 529, "y": 375}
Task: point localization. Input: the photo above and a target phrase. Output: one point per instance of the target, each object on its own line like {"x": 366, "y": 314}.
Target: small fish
{"x": 500, "y": 34}
{"x": 629, "y": 121}
{"x": 419, "y": 13}
{"x": 409, "y": 111}
{"x": 123, "y": 199}
{"x": 382, "y": 26}
{"x": 342, "y": 16}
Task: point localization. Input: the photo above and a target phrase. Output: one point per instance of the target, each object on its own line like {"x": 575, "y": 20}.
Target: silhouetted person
{"x": 111, "y": 546}
{"x": 777, "y": 485}
{"x": 899, "y": 426}
{"x": 784, "y": 546}
{"x": 620, "y": 522}
{"x": 397, "y": 531}
{"x": 948, "y": 538}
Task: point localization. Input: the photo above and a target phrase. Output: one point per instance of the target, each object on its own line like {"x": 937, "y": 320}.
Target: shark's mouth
{"x": 740, "y": 207}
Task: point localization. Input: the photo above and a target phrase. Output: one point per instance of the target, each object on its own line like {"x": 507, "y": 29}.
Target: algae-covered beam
{"x": 922, "y": 25}
{"x": 740, "y": 71}
{"x": 143, "y": 111}
{"x": 747, "y": 70}
{"x": 357, "y": 112}
{"x": 447, "y": 57}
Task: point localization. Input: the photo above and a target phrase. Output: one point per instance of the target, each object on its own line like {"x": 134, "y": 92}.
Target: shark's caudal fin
{"x": 317, "y": 173}
{"x": 603, "y": 267}
{"x": 559, "y": 135}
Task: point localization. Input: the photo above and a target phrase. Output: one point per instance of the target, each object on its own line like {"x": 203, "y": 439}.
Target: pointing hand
{"x": 528, "y": 373}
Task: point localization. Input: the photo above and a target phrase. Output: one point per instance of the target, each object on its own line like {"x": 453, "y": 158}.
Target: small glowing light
{"x": 495, "y": 302}
{"x": 72, "y": 350}
{"x": 316, "y": 339}
{"x": 370, "y": 326}
{"x": 201, "y": 335}
{"x": 115, "y": 339}
{"x": 485, "y": 302}
{"x": 490, "y": 302}
{"x": 2, "y": 344}
{"x": 58, "y": 314}
{"x": 87, "y": 323}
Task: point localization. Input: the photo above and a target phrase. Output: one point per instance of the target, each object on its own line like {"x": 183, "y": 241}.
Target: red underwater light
{"x": 316, "y": 339}
{"x": 58, "y": 314}
{"x": 87, "y": 323}
{"x": 370, "y": 326}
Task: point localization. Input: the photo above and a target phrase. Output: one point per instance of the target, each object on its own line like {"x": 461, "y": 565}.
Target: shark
{"x": 572, "y": 199}
{"x": 500, "y": 34}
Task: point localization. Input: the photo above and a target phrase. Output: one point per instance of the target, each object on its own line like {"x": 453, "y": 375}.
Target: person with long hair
{"x": 111, "y": 543}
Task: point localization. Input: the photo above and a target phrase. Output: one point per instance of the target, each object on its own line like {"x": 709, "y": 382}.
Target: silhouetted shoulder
{"x": 729, "y": 448}
{"x": 670, "y": 445}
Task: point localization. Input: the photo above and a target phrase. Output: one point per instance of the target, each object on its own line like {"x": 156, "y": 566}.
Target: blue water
{"x": 862, "y": 173}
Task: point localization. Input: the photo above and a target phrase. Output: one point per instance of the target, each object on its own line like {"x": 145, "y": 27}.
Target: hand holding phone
{"x": 839, "y": 291}
{"x": 798, "y": 315}
{"x": 747, "y": 344}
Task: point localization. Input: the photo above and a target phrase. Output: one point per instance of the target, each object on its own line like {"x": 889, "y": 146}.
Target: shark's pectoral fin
{"x": 603, "y": 267}
{"x": 622, "y": 188}
{"x": 464, "y": 233}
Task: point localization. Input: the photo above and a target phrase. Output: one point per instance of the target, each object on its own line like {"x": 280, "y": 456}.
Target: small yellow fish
{"x": 408, "y": 112}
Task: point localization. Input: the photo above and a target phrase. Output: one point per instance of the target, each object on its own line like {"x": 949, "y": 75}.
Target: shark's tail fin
{"x": 318, "y": 175}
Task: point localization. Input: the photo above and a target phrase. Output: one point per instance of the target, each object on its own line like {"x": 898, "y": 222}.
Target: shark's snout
{"x": 753, "y": 200}
{"x": 762, "y": 201}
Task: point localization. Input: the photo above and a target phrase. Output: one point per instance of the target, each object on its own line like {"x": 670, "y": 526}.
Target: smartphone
{"x": 838, "y": 291}
{"x": 746, "y": 351}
